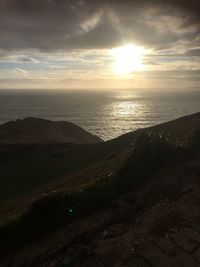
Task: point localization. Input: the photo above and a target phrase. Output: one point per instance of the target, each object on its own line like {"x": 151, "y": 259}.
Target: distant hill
{"x": 36, "y": 130}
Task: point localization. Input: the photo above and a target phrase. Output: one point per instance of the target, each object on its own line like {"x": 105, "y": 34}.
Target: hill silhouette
{"x": 35, "y": 130}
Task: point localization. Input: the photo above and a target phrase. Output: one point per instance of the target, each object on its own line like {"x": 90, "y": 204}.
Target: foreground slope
{"x": 34, "y": 130}
{"x": 156, "y": 225}
{"x": 29, "y": 170}
{"x": 146, "y": 214}
{"x": 132, "y": 201}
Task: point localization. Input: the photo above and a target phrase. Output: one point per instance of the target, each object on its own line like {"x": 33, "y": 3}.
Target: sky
{"x": 66, "y": 44}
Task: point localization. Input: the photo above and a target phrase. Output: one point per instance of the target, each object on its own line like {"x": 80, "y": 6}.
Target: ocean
{"x": 107, "y": 114}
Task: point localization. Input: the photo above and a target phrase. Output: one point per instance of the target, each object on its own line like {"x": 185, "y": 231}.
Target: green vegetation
{"x": 26, "y": 168}
{"x": 193, "y": 147}
{"x": 150, "y": 152}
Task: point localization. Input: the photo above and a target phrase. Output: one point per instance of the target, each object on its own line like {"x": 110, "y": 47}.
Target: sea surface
{"x": 107, "y": 114}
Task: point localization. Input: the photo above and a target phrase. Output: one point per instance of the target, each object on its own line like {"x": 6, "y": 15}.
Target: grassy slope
{"x": 165, "y": 203}
{"x": 27, "y": 171}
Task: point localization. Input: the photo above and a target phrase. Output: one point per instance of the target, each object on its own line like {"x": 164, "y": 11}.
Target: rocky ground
{"x": 160, "y": 226}
{"x": 156, "y": 225}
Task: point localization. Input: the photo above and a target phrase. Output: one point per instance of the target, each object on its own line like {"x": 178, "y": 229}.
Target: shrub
{"x": 193, "y": 147}
{"x": 150, "y": 152}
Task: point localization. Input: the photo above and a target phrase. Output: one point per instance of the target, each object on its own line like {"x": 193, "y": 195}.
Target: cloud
{"x": 65, "y": 41}
{"x": 52, "y": 25}
{"x": 25, "y": 59}
{"x": 150, "y": 62}
{"x": 193, "y": 53}
{"x": 20, "y": 71}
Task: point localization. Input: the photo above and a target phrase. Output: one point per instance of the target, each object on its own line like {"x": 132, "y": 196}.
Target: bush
{"x": 193, "y": 147}
{"x": 150, "y": 152}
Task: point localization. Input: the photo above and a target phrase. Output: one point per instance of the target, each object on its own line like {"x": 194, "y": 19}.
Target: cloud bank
{"x": 58, "y": 42}
{"x": 76, "y": 24}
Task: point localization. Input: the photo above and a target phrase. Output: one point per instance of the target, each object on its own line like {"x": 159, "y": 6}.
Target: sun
{"x": 128, "y": 59}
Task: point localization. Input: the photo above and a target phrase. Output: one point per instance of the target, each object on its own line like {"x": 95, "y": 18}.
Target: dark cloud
{"x": 25, "y": 59}
{"x": 181, "y": 75}
{"x": 193, "y": 53}
{"x": 6, "y": 57}
{"x": 150, "y": 62}
{"x": 66, "y": 24}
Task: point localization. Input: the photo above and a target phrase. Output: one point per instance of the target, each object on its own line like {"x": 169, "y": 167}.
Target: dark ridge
{"x": 36, "y": 130}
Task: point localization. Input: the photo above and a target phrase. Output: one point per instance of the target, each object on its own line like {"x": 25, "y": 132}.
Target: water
{"x": 107, "y": 114}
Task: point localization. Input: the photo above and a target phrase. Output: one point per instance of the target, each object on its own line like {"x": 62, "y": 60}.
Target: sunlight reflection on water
{"x": 106, "y": 114}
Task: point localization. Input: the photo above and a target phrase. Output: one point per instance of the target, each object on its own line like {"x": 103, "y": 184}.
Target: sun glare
{"x": 128, "y": 58}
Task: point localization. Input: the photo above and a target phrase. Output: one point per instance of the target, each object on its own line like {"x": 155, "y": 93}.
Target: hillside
{"x": 131, "y": 201}
{"x": 157, "y": 224}
{"x": 35, "y": 130}
{"x": 29, "y": 170}
{"x": 177, "y": 130}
